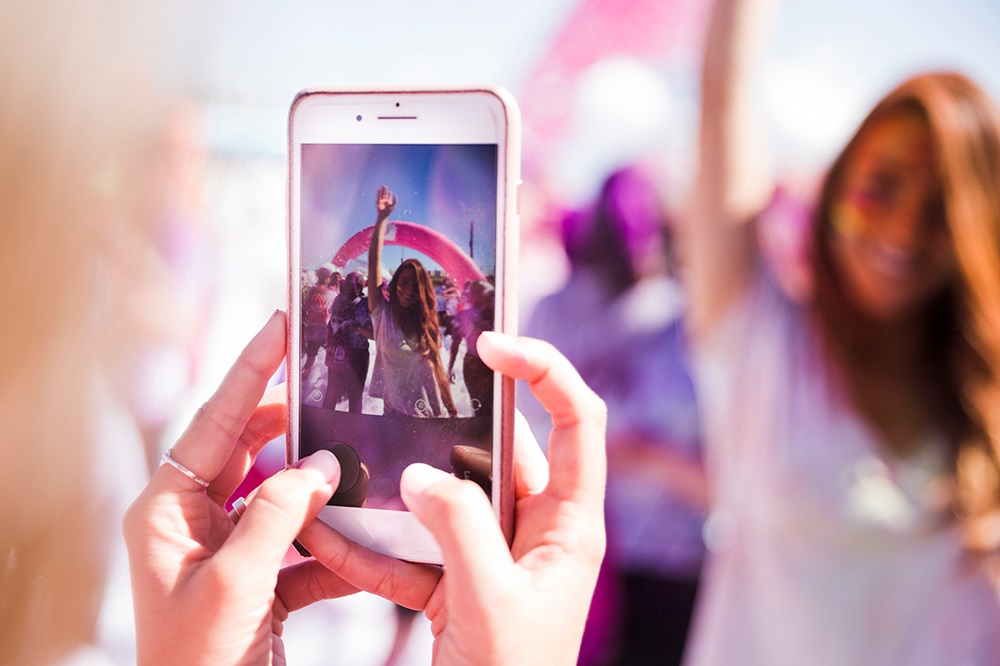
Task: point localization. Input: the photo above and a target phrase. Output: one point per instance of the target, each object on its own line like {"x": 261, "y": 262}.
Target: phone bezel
{"x": 412, "y": 116}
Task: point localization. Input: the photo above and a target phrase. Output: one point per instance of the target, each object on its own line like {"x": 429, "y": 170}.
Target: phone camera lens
{"x": 359, "y": 119}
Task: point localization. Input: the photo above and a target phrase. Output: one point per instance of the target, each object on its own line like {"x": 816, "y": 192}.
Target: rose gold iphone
{"x": 402, "y": 245}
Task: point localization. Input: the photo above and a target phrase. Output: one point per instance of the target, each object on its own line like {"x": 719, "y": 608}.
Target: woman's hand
{"x": 494, "y": 605}
{"x": 204, "y": 587}
{"x": 385, "y": 202}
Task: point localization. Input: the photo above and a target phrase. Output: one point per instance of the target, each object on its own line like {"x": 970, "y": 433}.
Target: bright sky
{"x": 831, "y": 61}
{"x": 828, "y": 62}
{"x": 444, "y": 187}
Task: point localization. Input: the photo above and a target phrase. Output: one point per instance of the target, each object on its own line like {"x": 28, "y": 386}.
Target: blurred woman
{"x": 851, "y": 439}
{"x": 408, "y": 373}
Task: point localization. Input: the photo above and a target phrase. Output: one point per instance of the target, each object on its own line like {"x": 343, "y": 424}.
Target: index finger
{"x": 207, "y": 444}
{"x": 577, "y": 464}
{"x": 268, "y": 421}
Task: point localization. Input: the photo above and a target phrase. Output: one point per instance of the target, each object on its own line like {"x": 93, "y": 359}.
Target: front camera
{"x": 359, "y": 119}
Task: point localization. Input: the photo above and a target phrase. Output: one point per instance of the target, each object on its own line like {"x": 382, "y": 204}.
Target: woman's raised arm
{"x": 385, "y": 202}
{"x": 733, "y": 181}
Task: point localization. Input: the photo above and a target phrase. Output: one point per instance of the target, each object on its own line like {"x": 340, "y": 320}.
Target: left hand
{"x": 207, "y": 590}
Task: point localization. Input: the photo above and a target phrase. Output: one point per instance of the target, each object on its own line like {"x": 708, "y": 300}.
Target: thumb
{"x": 460, "y": 517}
{"x": 281, "y": 507}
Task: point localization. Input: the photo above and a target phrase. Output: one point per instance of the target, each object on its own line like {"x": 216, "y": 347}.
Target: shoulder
{"x": 762, "y": 306}
{"x": 381, "y": 306}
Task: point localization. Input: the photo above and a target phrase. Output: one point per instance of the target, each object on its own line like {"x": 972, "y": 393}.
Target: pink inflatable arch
{"x": 434, "y": 244}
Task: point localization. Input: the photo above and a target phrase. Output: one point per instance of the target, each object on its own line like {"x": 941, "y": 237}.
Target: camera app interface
{"x": 397, "y": 281}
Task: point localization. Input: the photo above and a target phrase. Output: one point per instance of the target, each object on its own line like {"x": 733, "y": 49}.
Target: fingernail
{"x": 274, "y": 315}
{"x": 323, "y": 466}
{"x": 417, "y": 477}
{"x": 267, "y": 324}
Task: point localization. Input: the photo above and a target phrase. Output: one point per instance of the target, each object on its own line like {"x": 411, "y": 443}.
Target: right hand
{"x": 494, "y": 605}
{"x": 385, "y": 202}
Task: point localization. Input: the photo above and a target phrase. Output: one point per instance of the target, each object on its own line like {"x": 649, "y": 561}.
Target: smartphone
{"x": 402, "y": 246}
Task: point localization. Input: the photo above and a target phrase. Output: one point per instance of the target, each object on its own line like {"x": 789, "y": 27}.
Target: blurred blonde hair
{"x": 80, "y": 134}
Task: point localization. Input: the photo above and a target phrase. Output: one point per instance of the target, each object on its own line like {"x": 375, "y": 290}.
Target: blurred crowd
{"x": 619, "y": 321}
{"x": 337, "y": 331}
{"x": 853, "y": 307}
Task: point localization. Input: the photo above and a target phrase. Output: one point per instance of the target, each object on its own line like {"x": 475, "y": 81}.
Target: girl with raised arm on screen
{"x": 851, "y": 438}
{"x": 408, "y": 373}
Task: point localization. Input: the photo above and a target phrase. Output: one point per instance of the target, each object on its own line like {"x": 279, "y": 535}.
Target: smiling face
{"x": 891, "y": 242}
{"x": 406, "y": 288}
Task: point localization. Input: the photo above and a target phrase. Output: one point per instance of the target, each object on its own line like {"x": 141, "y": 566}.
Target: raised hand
{"x": 385, "y": 202}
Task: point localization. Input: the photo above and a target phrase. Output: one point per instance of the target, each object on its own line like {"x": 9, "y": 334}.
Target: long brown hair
{"x": 420, "y": 323}
{"x": 961, "y": 327}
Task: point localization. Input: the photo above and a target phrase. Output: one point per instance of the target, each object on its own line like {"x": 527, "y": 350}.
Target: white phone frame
{"x": 458, "y": 115}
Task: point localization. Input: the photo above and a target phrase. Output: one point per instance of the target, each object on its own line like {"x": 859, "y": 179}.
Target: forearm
{"x": 733, "y": 182}
{"x": 730, "y": 133}
{"x": 375, "y": 262}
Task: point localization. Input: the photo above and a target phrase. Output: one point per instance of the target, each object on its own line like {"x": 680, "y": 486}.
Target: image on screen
{"x": 388, "y": 366}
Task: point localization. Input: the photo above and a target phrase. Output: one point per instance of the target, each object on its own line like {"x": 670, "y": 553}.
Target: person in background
{"x": 851, "y": 437}
{"x": 657, "y": 496}
{"x": 475, "y": 317}
{"x": 449, "y": 303}
{"x": 611, "y": 247}
{"x": 620, "y": 319}
{"x": 347, "y": 353}
{"x": 316, "y": 316}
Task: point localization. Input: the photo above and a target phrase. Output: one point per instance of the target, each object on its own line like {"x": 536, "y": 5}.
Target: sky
{"x": 827, "y": 62}
{"x": 443, "y": 187}
{"x": 831, "y": 61}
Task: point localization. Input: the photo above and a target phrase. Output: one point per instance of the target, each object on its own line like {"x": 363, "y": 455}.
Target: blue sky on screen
{"x": 445, "y": 187}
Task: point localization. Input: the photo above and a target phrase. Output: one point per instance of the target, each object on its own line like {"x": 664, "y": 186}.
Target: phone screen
{"x": 393, "y": 378}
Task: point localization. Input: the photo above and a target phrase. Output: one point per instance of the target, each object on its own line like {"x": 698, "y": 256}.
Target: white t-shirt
{"x": 402, "y": 377}
{"x": 823, "y": 548}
